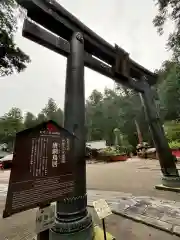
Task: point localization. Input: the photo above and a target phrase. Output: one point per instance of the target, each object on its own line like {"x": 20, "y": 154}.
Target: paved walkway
{"x": 135, "y": 176}
{"x": 154, "y": 212}
{"x": 126, "y": 229}
{"x": 158, "y": 213}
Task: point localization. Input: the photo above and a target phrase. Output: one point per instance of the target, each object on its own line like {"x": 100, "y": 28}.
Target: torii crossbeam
{"x": 67, "y": 36}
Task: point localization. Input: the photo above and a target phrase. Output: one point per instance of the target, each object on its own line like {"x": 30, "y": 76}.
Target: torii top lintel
{"x": 52, "y": 16}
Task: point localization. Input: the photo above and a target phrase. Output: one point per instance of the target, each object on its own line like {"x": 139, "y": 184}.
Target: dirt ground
{"x": 136, "y": 176}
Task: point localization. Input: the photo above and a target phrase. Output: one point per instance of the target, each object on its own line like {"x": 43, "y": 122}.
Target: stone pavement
{"x": 126, "y": 229}
{"x": 158, "y": 213}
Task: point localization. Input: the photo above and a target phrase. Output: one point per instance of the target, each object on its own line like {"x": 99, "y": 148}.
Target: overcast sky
{"x": 125, "y": 22}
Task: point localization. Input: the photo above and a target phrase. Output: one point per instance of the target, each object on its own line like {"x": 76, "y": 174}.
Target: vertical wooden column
{"x": 166, "y": 159}
{"x": 73, "y": 220}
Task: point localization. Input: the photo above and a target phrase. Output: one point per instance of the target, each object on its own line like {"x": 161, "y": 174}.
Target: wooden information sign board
{"x": 42, "y": 168}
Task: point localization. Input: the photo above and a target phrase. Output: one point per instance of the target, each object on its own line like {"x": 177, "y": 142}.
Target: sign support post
{"x": 45, "y": 234}
{"x": 104, "y": 228}
{"x": 103, "y": 210}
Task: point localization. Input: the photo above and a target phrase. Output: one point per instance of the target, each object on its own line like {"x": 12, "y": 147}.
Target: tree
{"x": 94, "y": 116}
{"x": 14, "y": 117}
{"x": 10, "y": 124}
{"x": 12, "y": 58}
{"x": 30, "y": 120}
{"x": 169, "y": 90}
{"x": 41, "y": 118}
{"x": 59, "y": 116}
{"x": 172, "y": 130}
{"x": 115, "y": 109}
{"x": 111, "y": 111}
{"x": 169, "y": 10}
{"x": 50, "y": 109}
{"x": 52, "y": 112}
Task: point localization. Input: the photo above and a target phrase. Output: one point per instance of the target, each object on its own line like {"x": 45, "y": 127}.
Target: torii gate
{"x": 71, "y": 38}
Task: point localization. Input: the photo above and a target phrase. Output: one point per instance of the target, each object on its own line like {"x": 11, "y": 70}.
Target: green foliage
{"x": 172, "y": 130}
{"x": 52, "y": 112}
{"x": 169, "y": 10}
{"x": 112, "y": 151}
{"x": 169, "y": 90}
{"x": 40, "y": 118}
{"x": 12, "y": 122}
{"x": 174, "y": 144}
{"x": 15, "y": 59}
{"x": 114, "y": 109}
{"x": 94, "y": 115}
{"x": 116, "y": 150}
{"x": 30, "y": 120}
{"x": 125, "y": 145}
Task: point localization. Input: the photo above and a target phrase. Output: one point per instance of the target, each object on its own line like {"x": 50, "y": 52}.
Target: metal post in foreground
{"x": 73, "y": 220}
{"x": 167, "y": 161}
{"x": 104, "y": 228}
